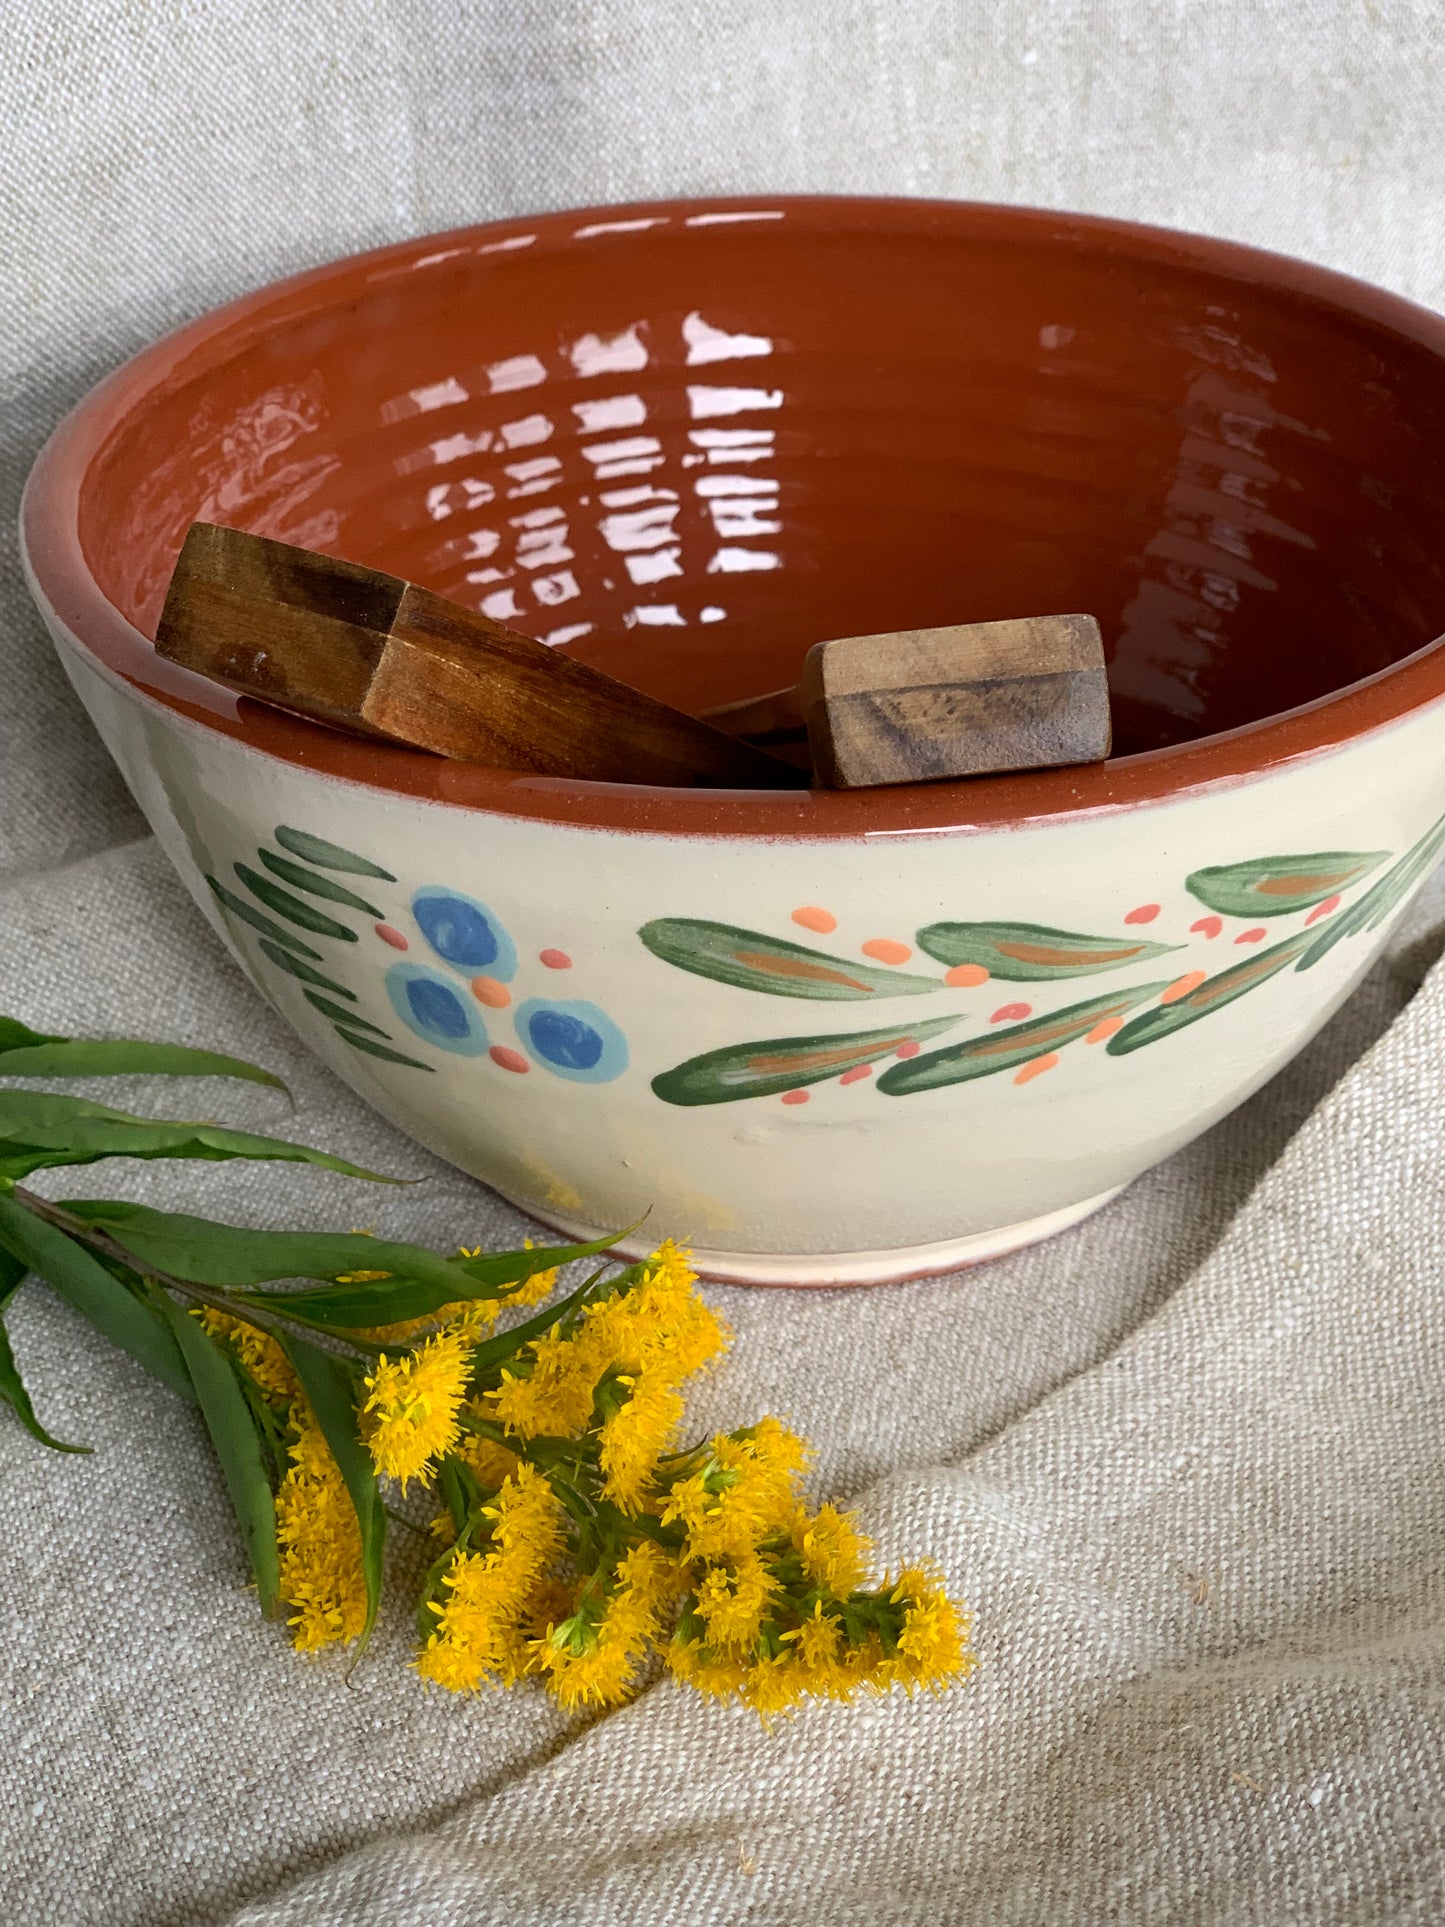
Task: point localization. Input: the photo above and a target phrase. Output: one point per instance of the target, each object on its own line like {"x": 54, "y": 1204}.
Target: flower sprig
{"x": 576, "y": 1541}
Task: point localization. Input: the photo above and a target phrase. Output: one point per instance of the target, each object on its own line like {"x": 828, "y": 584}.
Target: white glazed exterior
{"x": 851, "y": 1185}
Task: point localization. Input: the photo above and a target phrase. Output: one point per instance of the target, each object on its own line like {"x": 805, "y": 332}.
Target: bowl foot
{"x": 825, "y": 1270}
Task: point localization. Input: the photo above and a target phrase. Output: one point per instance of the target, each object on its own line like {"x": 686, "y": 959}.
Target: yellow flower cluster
{"x": 485, "y": 1625}
{"x": 413, "y": 1405}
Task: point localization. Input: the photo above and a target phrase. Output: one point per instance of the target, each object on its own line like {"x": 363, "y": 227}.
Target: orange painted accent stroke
{"x": 965, "y": 976}
{"x": 887, "y": 950}
{"x": 813, "y": 918}
{"x": 1036, "y": 1067}
{"x": 488, "y": 991}
{"x": 1181, "y": 986}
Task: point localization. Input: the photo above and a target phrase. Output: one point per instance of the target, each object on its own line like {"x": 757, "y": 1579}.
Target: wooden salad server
{"x": 364, "y": 651}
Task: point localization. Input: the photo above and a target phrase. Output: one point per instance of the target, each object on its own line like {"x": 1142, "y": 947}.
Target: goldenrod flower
{"x": 732, "y": 1601}
{"x": 319, "y": 1542}
{"x": 413, "y": 1405}
{"x": 832, "y": 1549}
{"x": 483, "y": 1623}
{"x": 744, "y": 1493}
{"x": 591, "y": 1662}
{"x": 634, "y": 1437}
{"x": 256, "y": 1350}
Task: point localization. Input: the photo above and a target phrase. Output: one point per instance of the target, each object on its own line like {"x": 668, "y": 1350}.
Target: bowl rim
{"x": 63, "y": 585}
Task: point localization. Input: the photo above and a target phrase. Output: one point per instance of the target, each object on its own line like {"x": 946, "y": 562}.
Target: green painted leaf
{"x": 1006, "y": 1050}
{"x": 754, "y": 962}
{"x": 12, "y": 1386}
{"x": 1370, "y": 910}
{"x": 383, "y": 1051}
{"x": 780, "y": 1064}
{"x": 17, "y": 1036}
{"x": 340, "y": 1016}
{"x": 330, "y": 856}
{"x": 1211, "y": 995}
{"x": 83, "y": 1131}
{"x": 232, "y": 1426}
{"x": 124, "y": 1057}
{"x": 293, "y": 908}
{"x": 1273, "y": 886}
{"x": 301, "y": 879}
{"x": 238, "y": 907}
{"x": 1029, "y": 952}
{"x": 208, "y": 1253}
{"x": 303, "y": 973}
{"x": 331, "y": 1389}
{"x": 84, "y": 1283}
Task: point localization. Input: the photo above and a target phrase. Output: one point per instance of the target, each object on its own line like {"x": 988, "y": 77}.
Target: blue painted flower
{"x": 430, "y": 1005}
{"x": 576, "y": 1040}
{"x": 464, "y": 932}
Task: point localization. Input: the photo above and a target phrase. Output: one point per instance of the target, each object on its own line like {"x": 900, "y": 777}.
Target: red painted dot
{"x": 965, "y": 976}
{"x": 488, "y": 991}
{"x": 857, "y": 1074}
{"x": 1011, "y": 1013}
{"x": 887, "y": 950}
{"x": 389, "y": 933}
{"x": 1143, "y": 913}
{"x": 813, "y": 917}
{"x": 1251, "y": 936}
{"x": 1324, "y": 909}
{"x": 509, "y": 1060}
{"x": 910, "y": 1049}
{"x": 555, "y": 959}
{"x": 1207, "y": 927}
{"x": 796, "y": 1097}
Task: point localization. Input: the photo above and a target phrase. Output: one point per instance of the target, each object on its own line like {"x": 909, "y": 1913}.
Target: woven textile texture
{"x": 1183, "y": 1463}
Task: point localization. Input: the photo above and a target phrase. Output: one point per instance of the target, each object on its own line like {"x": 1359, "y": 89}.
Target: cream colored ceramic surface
{"x": 830, "y": 1167}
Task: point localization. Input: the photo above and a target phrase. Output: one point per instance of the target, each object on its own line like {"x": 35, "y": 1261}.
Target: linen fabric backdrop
{"x": 1184, "y": 1463}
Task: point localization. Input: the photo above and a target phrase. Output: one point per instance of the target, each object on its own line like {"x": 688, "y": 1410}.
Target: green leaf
{"x": 84, "y": 1283}
{"x": 303, "y": 973}
{"x": 1368, "y": 911}
{"x": 127, "y": 1056}
{"x": 752, "y": 961}
{"x": 292, "y": 908}
{"x": 331, "y": 1391}
{"x": 1006, "y": 1050}
{"x": 784, "y": 1063}
{"x": 1030, "y": 952}
{"x": 383, "y": 1051}
{"x": 500, "y": 1268}
{"x": 1273, "y": 886}
{"x": 239, "y": 1447}
{"x": 339, "y": 1015}
{"x": 82, "y": 1132}
{"x": 330, "y": 856}
{"x": 17, "y": 1036}
{"x": 1211, "y": 995}
{"x": 208, "y": 1253}
{"x": 12, "y": 1387}
{"x": 239, "y": 908}
{"x": 301, "y": 879}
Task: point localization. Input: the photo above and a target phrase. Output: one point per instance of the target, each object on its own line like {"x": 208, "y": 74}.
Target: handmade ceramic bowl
{"x": 824, "y": 1037}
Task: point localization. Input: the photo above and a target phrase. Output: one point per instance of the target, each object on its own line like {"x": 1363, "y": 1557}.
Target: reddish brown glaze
{"x": 949, "y": 413}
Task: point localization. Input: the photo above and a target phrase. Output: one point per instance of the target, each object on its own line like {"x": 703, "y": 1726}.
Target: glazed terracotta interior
{"x": 686, "y": 446}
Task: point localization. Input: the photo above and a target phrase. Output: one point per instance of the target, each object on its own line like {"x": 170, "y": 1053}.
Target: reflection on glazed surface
{"x": 686, "y": 446}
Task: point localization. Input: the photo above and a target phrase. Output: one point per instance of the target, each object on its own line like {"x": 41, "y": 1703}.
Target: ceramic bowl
{"x": 826, "y": 1038}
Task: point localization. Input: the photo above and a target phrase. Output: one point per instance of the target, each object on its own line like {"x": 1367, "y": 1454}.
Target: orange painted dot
{"x": 887, "y": 950}
{"x": 1251, "y": 936}
{"x": 1207, "y": 927}
{"x": 812, "y": 918}
{"x": 1181, "y": 986}
{"x": 510, "y": 1060}
{"x": 965, "y": 976}
{"x": 1143, "y": 913}
{"x": 1324, "y": 909}
{"x": 910, "y": 1049}
{"x": 1104, "y": 1030}
{"x": 1011, "y": 1013}
{"x": 796, "y": 1097}
{"x": 858, "y": 1072}
{"x": 389, "y": 933}
{"x": 488, "y": 991}
{"x": 1036, "y": 1067}
{"x": 554, "y": 959}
